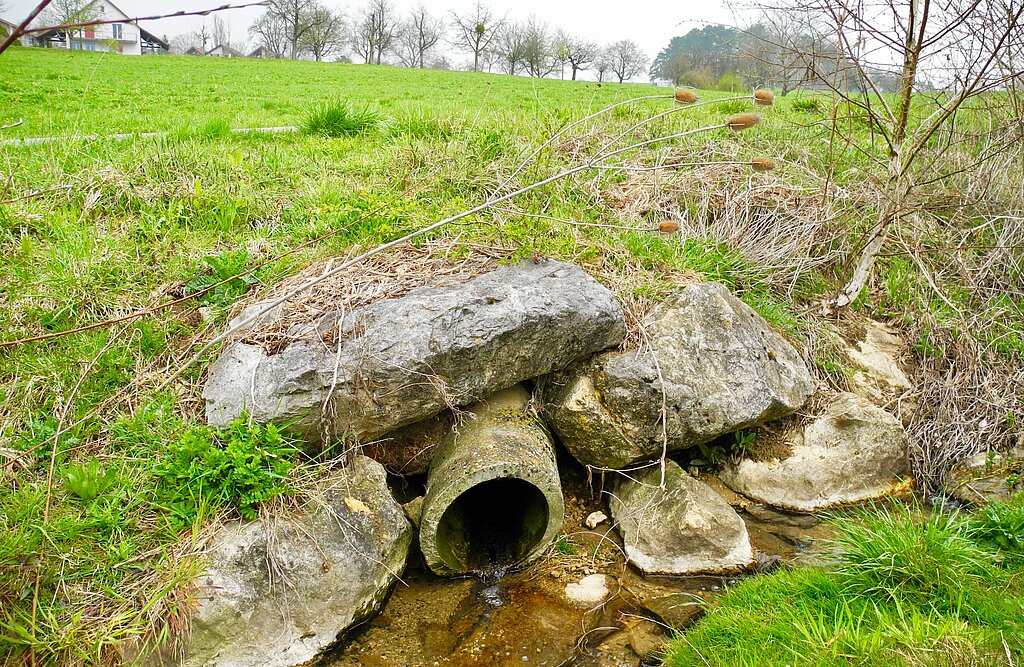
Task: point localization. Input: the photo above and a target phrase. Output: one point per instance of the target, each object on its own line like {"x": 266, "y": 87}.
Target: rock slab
{"x": 402, "y": 360}
{"x": 853, "y": 451}
{"x": 714, "y": 367}
{"x": 877, "y": 375}
{"x": 685, "y": 528}
{"x": 279, "y": 594}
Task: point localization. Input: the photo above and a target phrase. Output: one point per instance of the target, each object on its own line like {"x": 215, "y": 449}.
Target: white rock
{"x": 714, "y": 367}
{"x": 595, "y": 519}
{"x": 877, "y": 375}
{"x": 683, "y": 528}
{"x": 853, "y": 451}
{"x": 590, "y": 590}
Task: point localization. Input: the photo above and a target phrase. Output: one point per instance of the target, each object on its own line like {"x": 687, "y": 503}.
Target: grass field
{"x": 95, "y": 535}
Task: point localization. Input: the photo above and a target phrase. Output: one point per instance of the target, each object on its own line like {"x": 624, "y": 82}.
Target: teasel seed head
{"x": 743, "y": 121}
{"x": 762, "y": 164}
{"x": 764, "y": 98}
{"x": 668, "y": 227}
{"x": 684, "y": 96}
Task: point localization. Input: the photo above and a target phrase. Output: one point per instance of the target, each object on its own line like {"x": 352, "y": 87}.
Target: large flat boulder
{"x": 399, "y": 361}
{"x": 853, "y": 451}
{"x": 714, "y": 366}
{"x": 279, "y": 593}
{"x": 683, "y": 528}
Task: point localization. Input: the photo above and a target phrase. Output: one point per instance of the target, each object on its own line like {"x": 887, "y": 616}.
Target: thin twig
{"x": 37, "y": 193}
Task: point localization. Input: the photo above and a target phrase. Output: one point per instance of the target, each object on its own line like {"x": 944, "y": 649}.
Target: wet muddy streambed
{"x": 525, "y": 617}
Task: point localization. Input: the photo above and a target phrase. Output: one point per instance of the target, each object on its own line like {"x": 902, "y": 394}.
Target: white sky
{"x": 651, "y": 23}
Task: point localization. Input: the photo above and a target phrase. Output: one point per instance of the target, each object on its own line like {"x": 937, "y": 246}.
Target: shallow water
{"x": 524, "y": 618}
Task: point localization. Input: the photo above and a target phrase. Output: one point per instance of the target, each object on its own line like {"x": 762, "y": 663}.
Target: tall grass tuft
{"x": 897, "y": 555}
{"x": 341, "y": 119}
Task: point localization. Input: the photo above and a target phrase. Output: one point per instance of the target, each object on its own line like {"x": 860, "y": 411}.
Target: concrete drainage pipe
{"x": 494, "y": 500}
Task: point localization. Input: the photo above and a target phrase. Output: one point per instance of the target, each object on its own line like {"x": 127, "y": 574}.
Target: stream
{"x": 500, "y": 618}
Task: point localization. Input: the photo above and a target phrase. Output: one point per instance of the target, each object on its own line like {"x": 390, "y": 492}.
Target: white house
{"x": 119, "y": 34}
{"x": 224, "y": 51}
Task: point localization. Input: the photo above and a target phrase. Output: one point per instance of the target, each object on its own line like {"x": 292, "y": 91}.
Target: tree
{"x": 296, "y": 16}
{"x": 960, "y": 43}
{"x": 271, "y": 33}
{"x": 61, "y": 12}
{"x": 475, "y": 31}
{"x": 578, "y": 53}
{"x": 538, "y": 51}
{"x": 626, "y": 59}
{"x": 602, "y": 63}
{"x": 376, "y": 30}
{"x": 787, "y": 48}
{"x": 326, "y": 33}
{"x": 220, "y": 31}
{"x": 714, "y": 48}
{"x": 419, "y": 36}
{"x": 510, "y": 47}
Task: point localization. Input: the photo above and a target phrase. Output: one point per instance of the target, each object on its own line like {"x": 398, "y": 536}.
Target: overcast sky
{"x": 651, "y": 23}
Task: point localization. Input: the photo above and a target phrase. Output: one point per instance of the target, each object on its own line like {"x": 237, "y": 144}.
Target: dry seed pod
{"x": 668, "y": 227}
{"x": 762, "y": 164}
{"x": 685, "y": 97}
{"x": 743, "y": 121}
{"x": 764, "y": 98}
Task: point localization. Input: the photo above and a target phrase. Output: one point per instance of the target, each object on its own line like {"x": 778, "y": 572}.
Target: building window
{"x": 89, "y": 46}
{"x": 118, "y": 30}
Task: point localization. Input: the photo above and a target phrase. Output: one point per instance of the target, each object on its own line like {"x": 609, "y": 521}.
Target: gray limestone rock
{"x": 853, "y": 451}
{"x": 406, "y": 359}
{"x": 685, "y": 528}
{"x": 279, "y": 593}
{"x": 715, "y": 366}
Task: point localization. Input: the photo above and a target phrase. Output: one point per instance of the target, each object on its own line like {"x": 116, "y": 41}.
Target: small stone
{"x": 589, "y": 590}
{"x": 595, "y": 519}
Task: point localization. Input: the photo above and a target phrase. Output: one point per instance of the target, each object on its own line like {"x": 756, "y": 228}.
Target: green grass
{"x": 901, "y": 589}
{"x": 121, "y": 225}
{"x": 341, "y": 119}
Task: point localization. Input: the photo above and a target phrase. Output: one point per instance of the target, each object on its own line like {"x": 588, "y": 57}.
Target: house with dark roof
{"x": 263, "y": 52}
{"x": 115, "y": 33}
{"x": 224, "y": 51}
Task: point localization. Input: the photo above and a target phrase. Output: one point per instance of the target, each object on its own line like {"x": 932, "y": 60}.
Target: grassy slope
{"x": 63, "y": 93}
{"x": 902, "y": 590}
{"x": 131, "y": 224}
{"x": 133, "y": 221}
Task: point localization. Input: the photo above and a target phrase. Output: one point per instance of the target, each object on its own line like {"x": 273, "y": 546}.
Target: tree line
{"x": 378, "y": 33}
{"x": 784, "y": 49}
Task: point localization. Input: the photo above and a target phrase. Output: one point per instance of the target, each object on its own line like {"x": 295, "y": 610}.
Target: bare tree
{"x": 959, "y": 43}
{"x": 376, "y": 30}
{"x": 220, "y": 31}
{"x": 626, "y": 59}
{"x": 418, "y": 38}
{"x": 578, "y": 53}
{"x": 271, "y": 33}
{"x": 476, "y": 31}
{"x": 297, "y": 17}
{"x": 538, "y": 55}
{"x": 510, "y": 47}
{"x": 326, "y": 33}
{"x": 60, "y": 12}
{"x": 602, "y": 63}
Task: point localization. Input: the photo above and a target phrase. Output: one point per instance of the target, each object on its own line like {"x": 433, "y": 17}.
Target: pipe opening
{"x": 492, "y": 526}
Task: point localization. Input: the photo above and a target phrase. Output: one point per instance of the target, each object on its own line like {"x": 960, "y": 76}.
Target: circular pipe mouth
{"x": 492, "y": 526}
